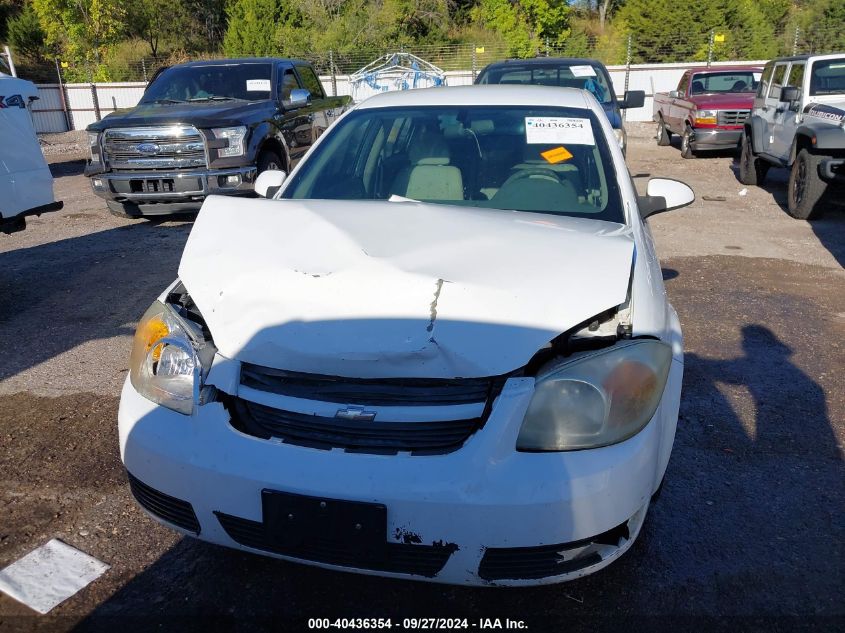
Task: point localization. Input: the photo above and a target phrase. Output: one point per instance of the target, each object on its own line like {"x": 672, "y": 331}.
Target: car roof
{"x": 716, "y": 69}
{"x": 495, "y": 95}
{"x": 806, "y": 56}
{"x": 546, "y": 61}
{"x": 241, "y": 60}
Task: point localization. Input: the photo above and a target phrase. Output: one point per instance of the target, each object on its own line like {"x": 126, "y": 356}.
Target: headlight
{"x": 94, "y": 147}
{"x": 706, "y": 117}
{"x": 598, "y": 399}
{"x": 620, "y": 138}
{"x": 236, "y": 136}
{"x": 164, "y": 366}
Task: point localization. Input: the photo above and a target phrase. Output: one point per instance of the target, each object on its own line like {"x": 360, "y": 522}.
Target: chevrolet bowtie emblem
{"x": 358, "y": 414}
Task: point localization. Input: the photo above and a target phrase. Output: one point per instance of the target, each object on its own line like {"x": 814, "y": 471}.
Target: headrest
{"x": 429, "y": 149}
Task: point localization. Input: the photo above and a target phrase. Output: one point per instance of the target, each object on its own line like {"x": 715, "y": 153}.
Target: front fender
{"x": 758, "y": 133}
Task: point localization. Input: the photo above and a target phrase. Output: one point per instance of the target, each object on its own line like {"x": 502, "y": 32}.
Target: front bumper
{"x": 833, "y": 169}
{"x": 176, "y": 187}
{"x": 714, "y": 138}
{"x": 473, "y": 516}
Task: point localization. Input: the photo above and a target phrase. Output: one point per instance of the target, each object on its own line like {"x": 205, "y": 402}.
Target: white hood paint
{"x": 381, "y": 289}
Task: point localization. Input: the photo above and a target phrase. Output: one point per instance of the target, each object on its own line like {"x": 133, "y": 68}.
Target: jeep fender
{"x": 757, "y": 128}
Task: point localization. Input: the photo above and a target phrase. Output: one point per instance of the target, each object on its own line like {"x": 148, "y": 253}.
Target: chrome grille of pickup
{"x": 732, "y": 117}
{"x": 166, "y": 147}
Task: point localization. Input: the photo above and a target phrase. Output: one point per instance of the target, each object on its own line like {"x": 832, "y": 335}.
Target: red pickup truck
{"x": 708, "y": 108}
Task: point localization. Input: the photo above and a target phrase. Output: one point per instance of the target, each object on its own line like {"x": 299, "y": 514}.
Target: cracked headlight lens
{"x": 596, "y": 399}
{"x": 164, "y": 366}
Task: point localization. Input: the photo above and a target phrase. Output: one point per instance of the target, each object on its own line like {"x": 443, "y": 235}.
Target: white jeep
{"x": 26, "y": 185}
{"x": 798, "y": 121}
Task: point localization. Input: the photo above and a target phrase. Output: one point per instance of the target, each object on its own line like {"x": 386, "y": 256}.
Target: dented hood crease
{"x": 381, "y": 289}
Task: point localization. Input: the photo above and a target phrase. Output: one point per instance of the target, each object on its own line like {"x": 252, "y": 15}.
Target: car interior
{"x": 475, "y": 157}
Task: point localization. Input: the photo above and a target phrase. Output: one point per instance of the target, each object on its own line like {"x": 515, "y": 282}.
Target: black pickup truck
{"x": 204, "y": 128}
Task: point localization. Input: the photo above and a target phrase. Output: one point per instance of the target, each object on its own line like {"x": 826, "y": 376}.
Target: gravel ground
{"x": 749, "y": 532}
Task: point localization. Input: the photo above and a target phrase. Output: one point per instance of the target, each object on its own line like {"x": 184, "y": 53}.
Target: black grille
{"x": 421, "y": 560}
{"x": 732, "y": 117}
{"x": 372, "y": 392}
{"x": 170, "y": 509}
{"x": 370, "y": 437}
{"x": 524, "y": 563}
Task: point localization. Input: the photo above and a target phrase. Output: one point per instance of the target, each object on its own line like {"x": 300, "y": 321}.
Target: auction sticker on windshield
{"x": 255, "y": 85}
{"x": 547, "y": 130}
{"x": 582, "y": 71}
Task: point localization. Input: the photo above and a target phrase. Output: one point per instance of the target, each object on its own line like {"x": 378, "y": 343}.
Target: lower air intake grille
{"x": 400, "y": 558}
{"x": 167, "y": 508}
{"x": 525, "y": 563}
{"x": 367, "y": 437}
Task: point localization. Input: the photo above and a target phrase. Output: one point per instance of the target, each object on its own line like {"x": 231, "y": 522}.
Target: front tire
{"x": 686, "y": 143}
{"x": 752, "y": 170}
{"x": 268, "y": 159}
{"x": 805, "y": 186}
{"x": 664, "y": 136}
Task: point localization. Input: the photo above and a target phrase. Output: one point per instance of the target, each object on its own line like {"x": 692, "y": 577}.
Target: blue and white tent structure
{"x": 395, "y": 71}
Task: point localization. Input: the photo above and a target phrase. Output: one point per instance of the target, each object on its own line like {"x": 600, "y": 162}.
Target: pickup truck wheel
{"x": 268, "y": 159}
{"x": 752, "y": 170}
{"x": 805, "y": 186}
{"x": 121, "y": 211}
{"x": 686, "y": 143}
{"x": 664, "y": 136}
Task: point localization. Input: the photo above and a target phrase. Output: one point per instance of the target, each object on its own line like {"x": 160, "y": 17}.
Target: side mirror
{"x": 633, "y": 99}
{"x": 269, "y": 182}
{"x": 299, "y": 97}
{"x": 674, "y": 94}
{"x": 789, "y": 94}
{"x": 663, "y": 194}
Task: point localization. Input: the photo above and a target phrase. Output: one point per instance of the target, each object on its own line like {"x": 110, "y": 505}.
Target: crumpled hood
{"x": 379, "y": 289}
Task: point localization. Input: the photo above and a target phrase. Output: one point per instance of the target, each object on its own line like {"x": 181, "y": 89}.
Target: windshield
{"x": 248, "y": 82}
{"x": 551, "y": 160}
{"x": 733, "y": 81}
{"x": 828, "y": 77}
{"x": 584, "y": 76}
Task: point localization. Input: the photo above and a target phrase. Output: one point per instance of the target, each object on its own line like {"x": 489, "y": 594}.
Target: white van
{"x": 26, "y": 185}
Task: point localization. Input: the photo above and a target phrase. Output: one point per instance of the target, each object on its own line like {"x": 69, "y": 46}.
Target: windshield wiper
{"x": 213, "y": 98}
{"x": 166, "y": 101}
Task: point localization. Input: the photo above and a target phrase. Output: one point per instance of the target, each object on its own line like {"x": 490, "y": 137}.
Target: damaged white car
{"x": 442, "y": 352}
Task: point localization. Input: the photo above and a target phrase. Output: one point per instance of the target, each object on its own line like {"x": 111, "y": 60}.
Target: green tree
{"x": 82, "y": 30}
{"x": 252, "y": 27}
{"x": 156, "y": 20}
{"x": 821, "y": 26}
{"x": 25, "y": 35}
{"x": 526, "y": 26}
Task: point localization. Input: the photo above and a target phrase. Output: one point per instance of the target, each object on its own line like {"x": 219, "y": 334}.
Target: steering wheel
{"x": 538, "y": 172}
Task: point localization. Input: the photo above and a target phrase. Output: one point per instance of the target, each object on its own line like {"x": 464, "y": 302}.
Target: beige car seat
{"x": 429, "y": 176}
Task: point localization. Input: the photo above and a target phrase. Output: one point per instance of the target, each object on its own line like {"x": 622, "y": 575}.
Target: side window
{"x": 796, "y": 76}
{"x": 777, "y": 82}
{"x": 310, "y": 81}
{"x": 682, "y": 86}
{"x": 763, "y": 88}
{"x": 287, "y": 82}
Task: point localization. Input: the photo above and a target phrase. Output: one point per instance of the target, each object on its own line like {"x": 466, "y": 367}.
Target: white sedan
{"x": 441, "y": 351}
